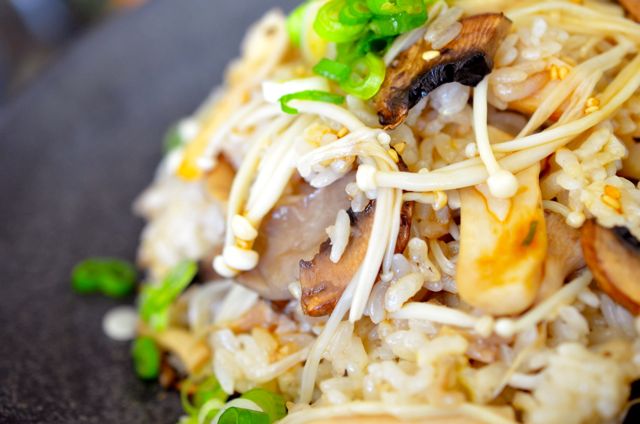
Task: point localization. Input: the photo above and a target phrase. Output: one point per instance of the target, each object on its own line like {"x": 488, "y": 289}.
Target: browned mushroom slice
{"x": 218, "y": 180}
{"x": 323, "y": 281}
{"x": 633, "y": 7}
{"x": 466, "y": 60}
{"x": 613, "y": 256}
{"x": 291, "y": 232}
{"x": 260, "y": 315}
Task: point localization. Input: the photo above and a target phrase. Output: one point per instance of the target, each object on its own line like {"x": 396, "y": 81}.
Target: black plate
{"x": 75, "y": 149}
{"x": 74, "y": 152}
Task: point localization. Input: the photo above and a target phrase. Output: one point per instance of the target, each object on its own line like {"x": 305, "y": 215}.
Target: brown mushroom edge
{"x": 613, "y": 256}
{"x": 467, "y": 60}
{"x": 323, "y": 281}
{"x": 633, "y": 7}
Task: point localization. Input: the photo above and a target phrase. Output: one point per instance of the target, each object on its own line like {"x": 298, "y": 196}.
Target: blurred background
{"x": 34, "y": 32}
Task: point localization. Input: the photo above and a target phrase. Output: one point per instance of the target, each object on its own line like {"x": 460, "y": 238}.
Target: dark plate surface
{"x": 75, "y": 149}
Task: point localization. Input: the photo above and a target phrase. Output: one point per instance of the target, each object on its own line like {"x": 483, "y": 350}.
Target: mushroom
{"x": 260, "y": 315}
{"x": 218, "y": 180}
{"x": 323, "y": 281}
{"x": 419, "y": 70}
{"x": 502, "y": 256}
{"x": 528, "y": 105}
{"x": 192, "y": 351}
{"x": 279, "y": 242}
{"x": 631, "y": 164}
{"x": 633, "y": 7}
{"x": 613, "y": 256}
{"x": 564, "y": 255}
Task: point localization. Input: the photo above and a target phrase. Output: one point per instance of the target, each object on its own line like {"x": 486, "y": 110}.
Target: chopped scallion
{"x": 236, "y": 415}
{"x": 312, "y": 95}
{"x": 172, "y": 139}
{"x": 295, "y": 22}
{"x": 332, "y": 70}
{"x": 329, "y": 26}
{"x": 393, "y": 7}
{"x": 531, "y": 234}
{"x": 194, "y": 395}
{"x": 146, "y": 358}
{"x": 111, "y": 277}
{"x": 367, "y": 75}
{"x": 355, "y": 12}
{"x": 271, "y": 403}
{"x": 156, "y": 299}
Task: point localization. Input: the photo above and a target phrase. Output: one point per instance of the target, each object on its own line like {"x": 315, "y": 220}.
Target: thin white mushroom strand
{"x": 502, "y": 183}
{"x": 528, "y": 150}
{"x": 242, "y": 183}
{"x": 367, "y": 144}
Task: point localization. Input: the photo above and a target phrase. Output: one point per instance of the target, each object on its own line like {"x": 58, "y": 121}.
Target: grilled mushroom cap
{"x": 323, "y": 281}
{"x": 613, "y": 255}
{"x": 633, "y": 7}
{"x": 466, "y": 60}
{"x": 279, "y": 242}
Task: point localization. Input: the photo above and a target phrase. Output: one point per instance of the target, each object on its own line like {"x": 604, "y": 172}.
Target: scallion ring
{"x": 329, "y": 27}
{"x": 355, "y": 12}
{"x": 312, "y": 95}
{"x": 271, "y": 403}
{"x": 332, "y": 70}
{"x": 236, "y": 415}
{"x": 367, "y": 76}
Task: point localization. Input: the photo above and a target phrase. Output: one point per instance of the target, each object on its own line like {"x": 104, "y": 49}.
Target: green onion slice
{"x": 367, "y": 75}
{"x": 295, "y": 22}
{"x": 329, "y": 26}
{"x": 393, "y": 7}
{"x": 397, "y": 24}
{"x": 172, "y": 139}
{"x": 112, "y": 277}
{"x": 531, "y": 234}
{"x": 146, "y": 358}
{"x": 312, "y": 95}
{"x": 372, "y": 43}
{"x": 194, "y": 395}
{"x": 355, "y": 12}
{"x": 332, "y": 70}
{"x": 236, "y": 415}
{"x": 156, "y": 299}
{"x": 271, "y": 403}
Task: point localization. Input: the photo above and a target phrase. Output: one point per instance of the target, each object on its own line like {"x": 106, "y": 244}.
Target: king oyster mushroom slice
{"x": 564, "y": 255}
{"x": 323, "y": 281}
{"x": 501, "y": 261}
{"x": 467, "y": 60}
{"x": 613, "y": 256}
{"x": 293, "y": 231}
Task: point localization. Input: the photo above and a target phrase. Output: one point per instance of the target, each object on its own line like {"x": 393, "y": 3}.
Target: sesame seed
{"x": 563, "y": 72}
{"x": 243, "y": 244}
{"x": 591, "y": 109}
{"x": 612, "y": 203}
{"x": 400, "y": 147}
{"x": 553, "y": 72}
{"x": 593, "y": 101}
{"x": 430, "y": 55}
{"x": 612, "y": 192}
{"x": 394, "y": 155}
{"x": 343, "y": 131}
